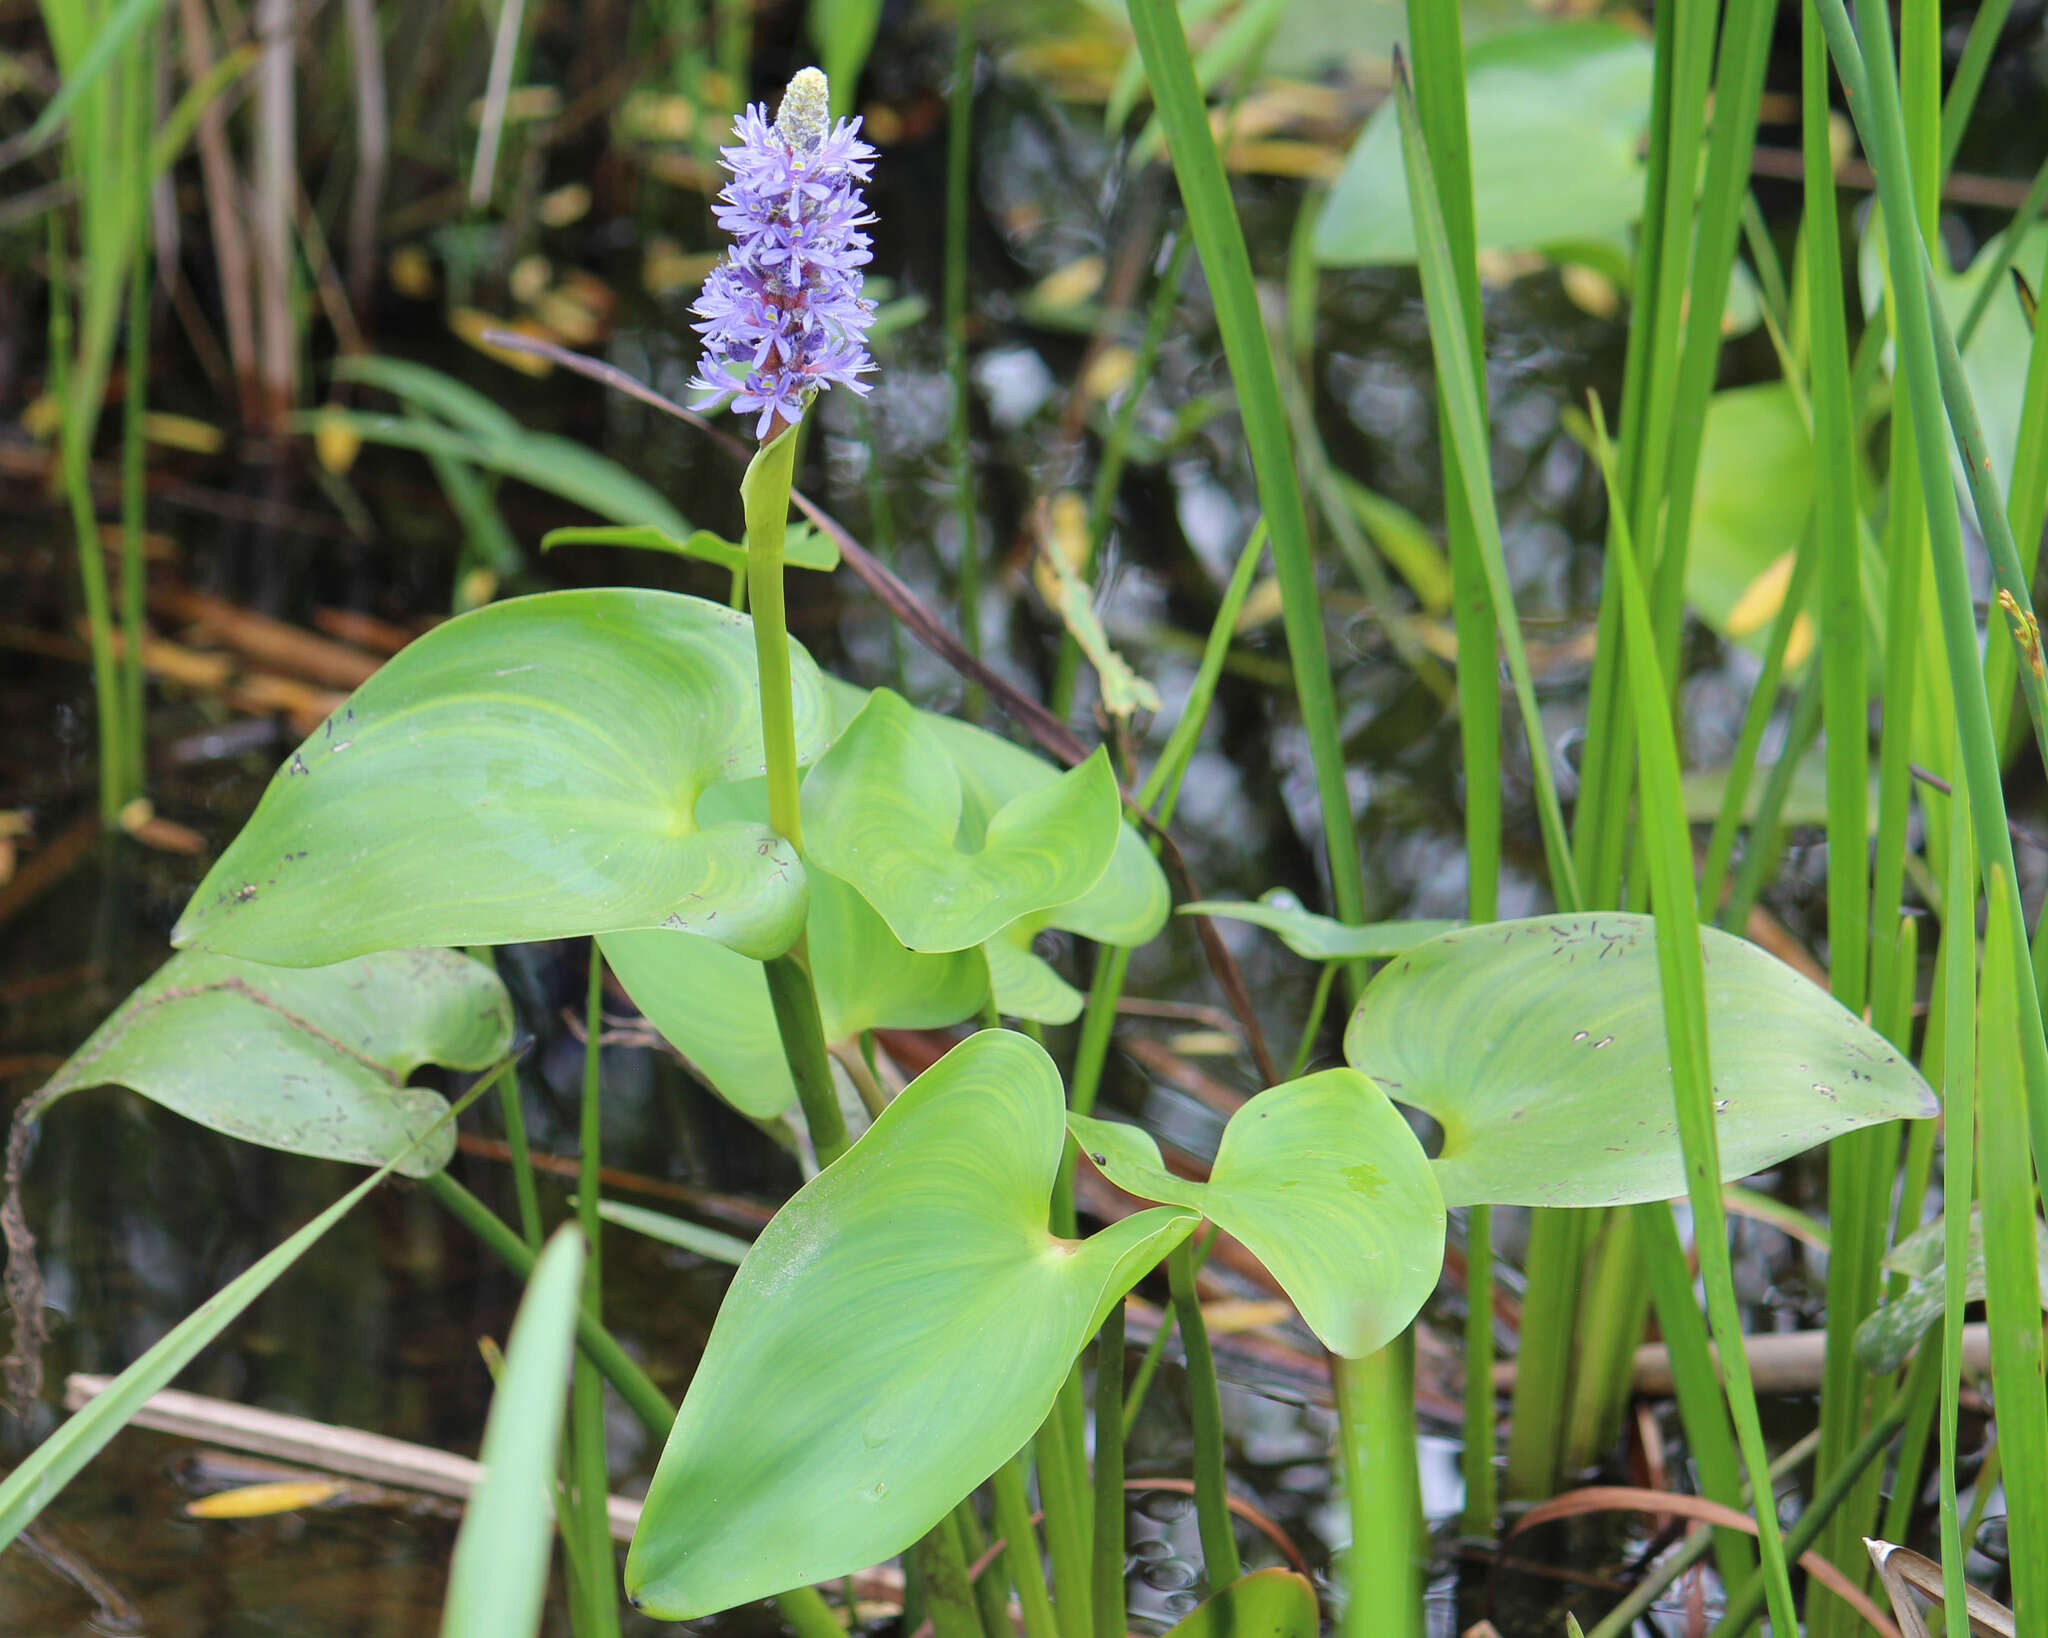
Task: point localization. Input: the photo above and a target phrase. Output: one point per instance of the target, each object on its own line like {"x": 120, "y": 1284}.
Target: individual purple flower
{"x": 782, "y": 313}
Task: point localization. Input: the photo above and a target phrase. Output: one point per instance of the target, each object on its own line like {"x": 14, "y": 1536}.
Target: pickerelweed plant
{"x": 775, "y": 864}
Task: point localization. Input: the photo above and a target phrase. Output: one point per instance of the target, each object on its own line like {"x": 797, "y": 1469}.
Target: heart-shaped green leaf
{"x": 1556, "y": 112}
{"x": 1265, "y": 1604}
{"x": 309, "y": 1060}
{"x": 1539, "y": 1046}
{"x": 1321, "y": 938}
{"x": 527, "y": 771}
{"x": 883, "y": 811}
{"x": 896, "y": 1334}
{"x": 1325, "y": 1184}
{"x": 713, "y": 1004}
{"x": 1126, "y": 904}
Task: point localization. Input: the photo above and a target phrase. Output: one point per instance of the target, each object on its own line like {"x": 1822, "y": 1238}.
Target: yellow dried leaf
{"x": 255, "y": 1501}
{"x": 568, "y": 319}
{"x": 1204, "y": 1043}
{"x": 531, "y": 275}
{"x": 651, "y": 117}
{"x": 1225, "y": 1318}
{"x": 667, "y": 267}
{"x": 523, "y": 104}
{"x": 1590, "y": 290}
{"x": 566, "y": 204}
{"x": 336, "y": 442}
{"x": 1261, "y": 605}
{"x": 411, "y": 272}
{"x": 182, "y": 432}
{"x": 470, "y": 323}
{"x": 1800, "y": 643}
{"x": 1070, "y": 285}
{"x": 1761, "y": 599}
{"x": 1284, "y": 156}
{"x": 1109, "y": 372}
{"x": 42, "y": 417}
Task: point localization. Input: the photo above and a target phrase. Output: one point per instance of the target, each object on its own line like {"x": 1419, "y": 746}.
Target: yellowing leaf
{"x": 42, "y": 417}
{"x": 1281, "y": 156}
{"x": 336, "y": 442}
{"x": 1761, "y": 599}
{"x": 470, "y": 323}
{"x": 1065, "y": 533}
{"x": 256, "y": 1501}
{"x": 1261, "y": 605}
{"x": 1071, "y": 285}
{"x": 1109, "y": 372}
{"x": 182, "y": 432}
{"x": 411, "y": 272}
{"x": 566, "y": 204}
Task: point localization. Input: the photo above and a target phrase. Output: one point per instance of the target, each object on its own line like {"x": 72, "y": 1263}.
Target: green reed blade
{"x": 1881, "y": 123}
{"x": 959, "y": 438}
{"x": 1212, "y": 218}
{"x": 1685, "y": 1022}
{"x": 2012, "y": 1300}
{"x": 1967, "y": 81}
{"x": 1959, "y": 1081}
{"x": 1450, "y": 342}
{"x": 497, "y": 1575}
{"x": 1861, "y": 1164}
{"x": 1435, "y": 36}
{"x": 1755, "y": 720}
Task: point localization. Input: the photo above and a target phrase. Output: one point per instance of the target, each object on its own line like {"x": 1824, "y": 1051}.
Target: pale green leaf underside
{"x": 527, "y": 771}
{"x": 1025, "y": 985}
{"x": 1272, "y": 1603}
{"x": 1322, "y": 1180}
{"x": 1320, "y": 938}
{"x": 1888, "y": 1336}
{"x": 309, "y": 1060}
{"x": 1126, "y": 905}
{"x": 897, "y": 1333}
{"x": 1539, "y": 1046}
{"x": 804, "y": 547}
{"x": 883, "y": 811}
{"x": 1557, "y": 112}
{"x": 713, "y": 1006}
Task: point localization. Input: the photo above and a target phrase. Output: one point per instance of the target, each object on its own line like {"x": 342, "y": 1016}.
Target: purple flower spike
{"x": 783, "y": 314}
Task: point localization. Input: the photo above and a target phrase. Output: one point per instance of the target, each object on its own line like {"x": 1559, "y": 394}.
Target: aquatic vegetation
{"x": 776, "y": 864}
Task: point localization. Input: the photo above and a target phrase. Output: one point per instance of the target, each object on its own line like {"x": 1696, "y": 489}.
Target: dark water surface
{"x": 142, "y": 1216}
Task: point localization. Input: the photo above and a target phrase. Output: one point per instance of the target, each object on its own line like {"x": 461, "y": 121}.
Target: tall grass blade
{"x": 1435, "y": 35}
{"x": 111, "y": 34}
{"x": 1874, "y": 97}
{"x": 1219, "y": 236}
{"x": 1455, "y": 374}
{"x": 50, "y": 1466}
{"x": 498, "y": 1575}
{"x": 1860, "y": 1164}
{"x": 1959, "y": 1083}
{"x": 1685, "y": 1022}
{"x": 2012, "y": 1292}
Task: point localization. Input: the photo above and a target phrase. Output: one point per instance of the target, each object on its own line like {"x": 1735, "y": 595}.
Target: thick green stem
{"x": 1063, "y": 1496}
{"x": 1205, "y": 1410}
{"x": 587, "y": 1445}
{"x": 634, "y": 1385}
{"x": 1376, "y": 1438}
{"x": 803, "y": 1044}
{"x": 948, "y": 1594}
{"x": 1109, "y": 1474}
{"x": 764, "y": 491}
{"x": 1013, "y": 1519}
